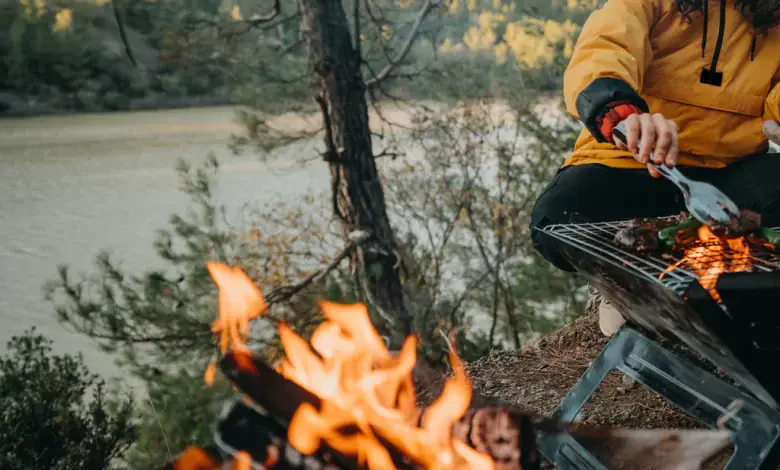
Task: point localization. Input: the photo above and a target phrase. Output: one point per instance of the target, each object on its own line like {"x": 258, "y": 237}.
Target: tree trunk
{"x": 358, "y": 198}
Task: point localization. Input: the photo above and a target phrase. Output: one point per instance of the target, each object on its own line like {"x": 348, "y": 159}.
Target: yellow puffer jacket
{"x": 645, "y": 53}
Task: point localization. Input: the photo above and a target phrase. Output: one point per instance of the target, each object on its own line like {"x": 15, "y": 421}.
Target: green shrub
{"x": 56, "y": 414}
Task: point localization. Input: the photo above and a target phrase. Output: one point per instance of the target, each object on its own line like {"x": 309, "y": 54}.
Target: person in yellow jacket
{"x": 698, "y": 84}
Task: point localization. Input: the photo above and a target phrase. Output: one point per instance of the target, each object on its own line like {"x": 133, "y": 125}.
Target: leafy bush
{"x": 55, "y": 413}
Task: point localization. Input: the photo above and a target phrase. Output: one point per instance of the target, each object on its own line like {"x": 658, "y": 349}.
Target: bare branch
{"x": 192, "y": 337}
{"x": 282, "y": 294}
{"x": 267, "y": 27}
{"x": 378, "y": 24}
{"x": 123, "y": 33}
{"x": 429, "y": 6}
{"x": 465, "y": 294}
{"x": 388, "y": 153}
{"x": 289, "y": 48}
{"x": 256, "y": 20}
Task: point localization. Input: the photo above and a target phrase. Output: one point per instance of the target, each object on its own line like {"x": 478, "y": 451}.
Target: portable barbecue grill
{"x": 736, "y": 332}
{"x": 597, "y": 240}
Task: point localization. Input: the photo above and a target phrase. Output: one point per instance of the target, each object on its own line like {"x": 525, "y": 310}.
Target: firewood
{"x": 507, "y": 434}
{"x": 280, "y": 398}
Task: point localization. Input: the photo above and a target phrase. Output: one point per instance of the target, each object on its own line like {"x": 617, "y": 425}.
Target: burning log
{"x": 343, "y": 401}
{"x": 508, "y": 435}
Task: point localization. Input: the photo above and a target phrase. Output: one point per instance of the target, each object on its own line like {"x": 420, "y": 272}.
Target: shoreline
{"x": 17, "y": 111}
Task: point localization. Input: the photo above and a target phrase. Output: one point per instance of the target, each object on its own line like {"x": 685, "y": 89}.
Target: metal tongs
{"x": 704, "y": 201}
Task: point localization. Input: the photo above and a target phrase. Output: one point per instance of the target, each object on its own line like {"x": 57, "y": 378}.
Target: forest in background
{"x": 69, "y": 55}
{"x": 456, "y": 188}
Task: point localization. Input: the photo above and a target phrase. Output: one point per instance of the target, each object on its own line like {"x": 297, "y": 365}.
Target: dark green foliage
{"x": 56, "y": 415}
{"x": 59, "y": 66}
{"x": 193, "y": 48}
{"x": 182, "y": 51}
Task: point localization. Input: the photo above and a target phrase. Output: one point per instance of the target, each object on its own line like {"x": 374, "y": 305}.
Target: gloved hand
{"x": 772, "y": 131}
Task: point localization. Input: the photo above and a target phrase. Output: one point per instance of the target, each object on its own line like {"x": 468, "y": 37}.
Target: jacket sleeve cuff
{"x": 594, "y": 101}
{"x": 613, "y": 115}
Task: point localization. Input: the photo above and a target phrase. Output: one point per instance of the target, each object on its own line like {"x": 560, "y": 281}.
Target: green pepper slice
{"x": 770, "y": 236}
{"x": 669, "y": 235}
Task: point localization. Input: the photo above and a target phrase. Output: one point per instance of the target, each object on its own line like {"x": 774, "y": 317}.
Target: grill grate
{"x": 597, "y": 239}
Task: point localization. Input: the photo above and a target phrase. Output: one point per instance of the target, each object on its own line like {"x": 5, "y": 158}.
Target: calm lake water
{"x": 74, "y": 185}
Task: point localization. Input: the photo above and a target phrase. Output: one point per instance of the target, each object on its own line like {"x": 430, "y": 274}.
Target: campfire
{"x": 368, "y": 401}
{"x": 342, "y": 400}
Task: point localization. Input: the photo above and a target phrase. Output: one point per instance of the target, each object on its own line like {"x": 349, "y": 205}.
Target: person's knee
{"x": 755, "y": 186}
{"x": 770, "y": 213}
{"x": 548, "y": 211}
{"x": 765, "y": 200}
{"x": 543, "y": 210}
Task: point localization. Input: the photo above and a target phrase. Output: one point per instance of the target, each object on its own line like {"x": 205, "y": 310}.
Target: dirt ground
{"x": 537, "y": 378}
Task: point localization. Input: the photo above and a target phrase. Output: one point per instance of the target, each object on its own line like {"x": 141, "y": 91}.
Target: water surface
{"x": 74, "y": 185}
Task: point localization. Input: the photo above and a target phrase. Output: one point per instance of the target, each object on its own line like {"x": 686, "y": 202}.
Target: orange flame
{"x": 708, "y": 259}
{"x": 361, "y": 384}
{"x": 194, "y": 458}
{"x": 211, "y": 371}
{"x": 242, "y": 461}
{"x": 239, "y": 301}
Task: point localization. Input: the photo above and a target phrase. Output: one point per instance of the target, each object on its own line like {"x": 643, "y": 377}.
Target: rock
{"x": 628, "y": 382}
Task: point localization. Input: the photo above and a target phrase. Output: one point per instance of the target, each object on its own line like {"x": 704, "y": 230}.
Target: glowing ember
{"x": 362, "y": 385}
{"x": 710, "y": 256}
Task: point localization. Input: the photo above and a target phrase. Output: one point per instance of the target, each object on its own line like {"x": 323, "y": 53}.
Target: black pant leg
{"x": 752, "y": 183}
{"x": 597, "y": 193}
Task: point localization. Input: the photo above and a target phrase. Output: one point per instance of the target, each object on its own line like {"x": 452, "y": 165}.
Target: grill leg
{"x": 563, "y": 450}
{"x": 700, "y": 394}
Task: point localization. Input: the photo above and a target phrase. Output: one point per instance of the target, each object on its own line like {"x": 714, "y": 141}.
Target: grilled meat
{"x": 637, "y": 238}
{"x": 679, "y": 232}
{"x": 747, "y": 223}
{"x": 641, "y": 235}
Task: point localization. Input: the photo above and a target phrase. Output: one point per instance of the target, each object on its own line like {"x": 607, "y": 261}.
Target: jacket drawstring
{"x": 706, "y": 24}
{"x": 753, "y": 49}
{"x": 706, "y": 11}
